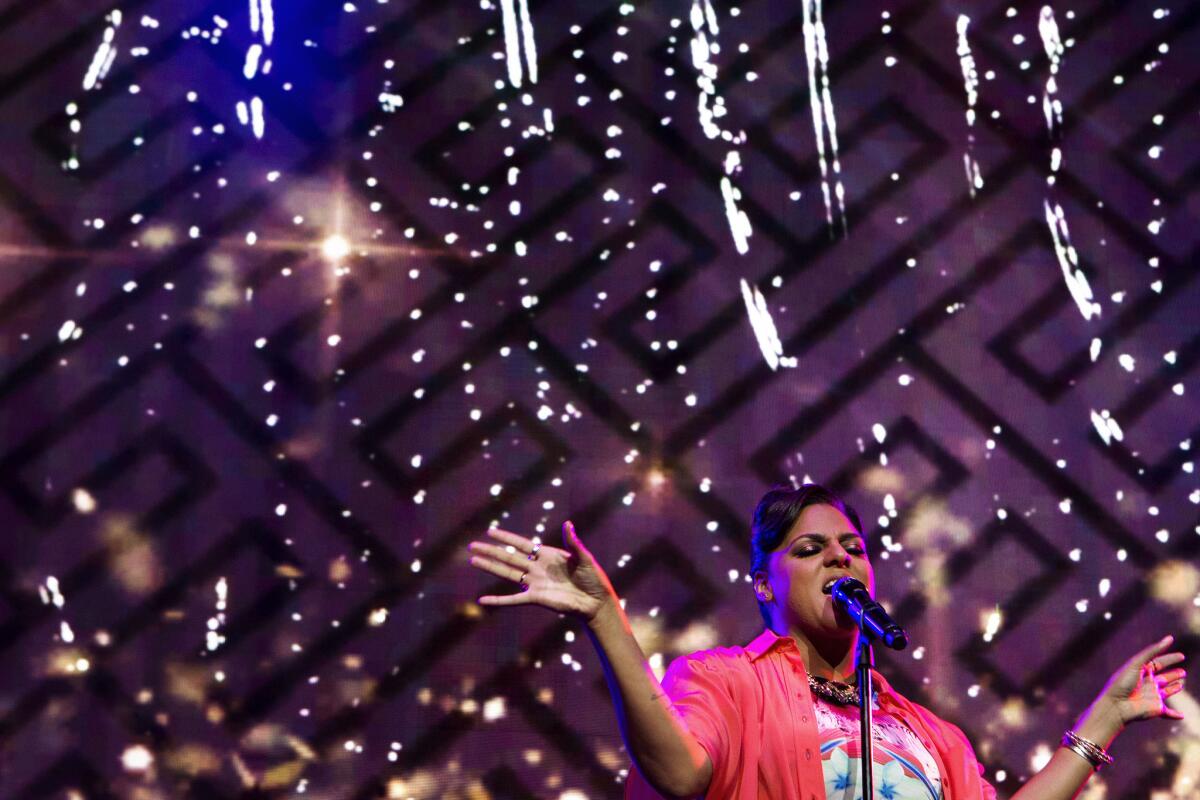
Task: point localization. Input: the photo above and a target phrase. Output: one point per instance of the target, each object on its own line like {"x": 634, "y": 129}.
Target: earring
{"x": 764, "y": 595}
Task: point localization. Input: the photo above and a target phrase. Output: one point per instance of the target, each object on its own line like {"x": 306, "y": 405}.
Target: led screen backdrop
{"x": 298, "y": 297}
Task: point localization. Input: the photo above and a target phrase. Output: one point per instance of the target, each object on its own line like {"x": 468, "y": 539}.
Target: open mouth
{"x": 827, "y": 587}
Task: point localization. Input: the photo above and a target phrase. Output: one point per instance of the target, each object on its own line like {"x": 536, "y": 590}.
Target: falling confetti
{"x": 764, "y": 328}
{"x": 105, "y": 54}
{"x": 1107, "y": 427}
{"x": 518, "y": 38}
{"x": 1056, "y": 221}
{"x": 971, "y": 85}
{"x": 305, "y": 391}
{"x": 1068, "y": 261}
{"x": 213, "y": 637}
{"x": 816, "y": 51}
{"x": 711, "y": 107}
{"x": 257, "y": 62}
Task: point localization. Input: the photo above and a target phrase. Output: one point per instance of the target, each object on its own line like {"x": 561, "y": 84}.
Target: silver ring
{"x": 533, "y": 553}
{"x": 521, "y": 580}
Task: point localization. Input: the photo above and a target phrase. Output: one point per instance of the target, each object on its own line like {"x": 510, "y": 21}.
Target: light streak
{"x": 530, "y": 45}
{"x": 252, "y": 57}
{"x": 518, "y": 30}
{"x": 262, "y": 20}
{"x": 1068, "y": 260}
{"x": 1052, "y": 42}
{"x": 710, "y": 107}
{"x": 106, "y": 53}
{"x": 739, "y": 223}
{"x": 1056, "y": 221}
{"x": 764, "y": 328}
{"x": 1107, "y": 427}
{"x": 268, "y": 21}
{"x": 816, "y": 51}
{"x": 257, "y": 122}
{"x": 971, "y": 85}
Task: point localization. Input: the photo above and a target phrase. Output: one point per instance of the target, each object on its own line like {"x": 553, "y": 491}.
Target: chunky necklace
{"x": 834, "y": 691}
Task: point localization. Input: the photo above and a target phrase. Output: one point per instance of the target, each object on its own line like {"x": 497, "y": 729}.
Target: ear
{"x": 762, "y": 589}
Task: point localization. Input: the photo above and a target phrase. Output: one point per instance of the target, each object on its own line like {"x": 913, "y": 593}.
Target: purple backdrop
{"x": 298, "y": 297}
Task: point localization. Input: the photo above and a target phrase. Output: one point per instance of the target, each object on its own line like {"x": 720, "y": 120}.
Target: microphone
{"x": 852, "y": 597}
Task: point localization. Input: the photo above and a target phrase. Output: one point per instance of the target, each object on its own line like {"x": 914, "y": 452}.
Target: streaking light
{"x": 1068, "y": 260}
{"x": 764, "y": 328}
{"x": 518, "y": 31}
{"x": 971, "y": 84}
{"x": 711, "y": 106}
{"x": 105, "y": 54}
{"x": 1107, "y": 427}
{"x": 816, "y": 51}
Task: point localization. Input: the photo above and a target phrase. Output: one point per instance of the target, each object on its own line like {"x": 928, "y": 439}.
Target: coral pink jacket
{"x": 751, "y": 710}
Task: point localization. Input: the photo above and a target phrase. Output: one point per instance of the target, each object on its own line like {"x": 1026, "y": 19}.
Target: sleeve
{"x": 989, "y": 791}
{"x": 699, "y": 688}
{"x": 986, "y": 790}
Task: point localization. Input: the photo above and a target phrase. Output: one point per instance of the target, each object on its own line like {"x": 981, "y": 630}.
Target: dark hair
{"x": 775, "y": 515}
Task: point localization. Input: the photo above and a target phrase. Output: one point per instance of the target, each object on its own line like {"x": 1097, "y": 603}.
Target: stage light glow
{"x": 992, "y": 621}
{"x": 137, "y": 758}
{"x": 335, "y": 247}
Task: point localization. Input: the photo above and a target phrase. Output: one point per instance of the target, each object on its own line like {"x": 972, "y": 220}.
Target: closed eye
{"x": 852, "y": 548}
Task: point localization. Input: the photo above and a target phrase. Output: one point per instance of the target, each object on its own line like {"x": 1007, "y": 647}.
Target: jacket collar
{"x": 955, "y": 759}
{"x": 769, "y": 639}
{"x": 766, "y": 640}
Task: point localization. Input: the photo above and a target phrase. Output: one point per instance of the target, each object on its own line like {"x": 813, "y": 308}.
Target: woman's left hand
{"x": 1140, "y": 688}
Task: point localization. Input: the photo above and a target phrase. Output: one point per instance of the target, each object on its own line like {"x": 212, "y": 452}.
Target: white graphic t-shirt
{"x": 904, "y": 769}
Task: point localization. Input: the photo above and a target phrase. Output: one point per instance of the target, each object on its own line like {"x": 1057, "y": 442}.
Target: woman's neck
{"x": 832, "y": 659}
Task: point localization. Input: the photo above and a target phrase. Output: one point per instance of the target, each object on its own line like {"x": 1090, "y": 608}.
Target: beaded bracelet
{"x": 1091, "y": 752}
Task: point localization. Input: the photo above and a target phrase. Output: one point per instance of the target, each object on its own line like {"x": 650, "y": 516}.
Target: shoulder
{"x": 720, "y": 680}
{"x": 714, "y": 658}
{"x": 714, "y": 664}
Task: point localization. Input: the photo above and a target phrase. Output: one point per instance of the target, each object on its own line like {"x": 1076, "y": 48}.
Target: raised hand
{"x": 565, "y": 580}
{"x": 1140, "y": 688}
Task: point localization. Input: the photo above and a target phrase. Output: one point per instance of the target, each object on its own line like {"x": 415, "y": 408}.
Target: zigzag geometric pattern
{"x": 298, "y": 298}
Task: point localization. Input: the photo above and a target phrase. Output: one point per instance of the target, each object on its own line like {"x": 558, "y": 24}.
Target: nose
{"x": 836, "y": 555}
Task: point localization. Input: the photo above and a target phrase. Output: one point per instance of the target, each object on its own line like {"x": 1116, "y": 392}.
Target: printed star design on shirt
{"x": 891, "y": 782}
{"x": 904, "y": 770}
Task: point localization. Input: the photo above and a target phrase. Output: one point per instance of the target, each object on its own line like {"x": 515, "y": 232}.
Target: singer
{"x": 778, "y": 718}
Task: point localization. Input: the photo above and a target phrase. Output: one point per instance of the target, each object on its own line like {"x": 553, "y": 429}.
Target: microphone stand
{"x": 862, "y": 672}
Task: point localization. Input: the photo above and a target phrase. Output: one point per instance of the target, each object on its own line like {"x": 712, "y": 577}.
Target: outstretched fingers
{"x": 1170, "y": 689}
{"x": 1166, "y": 660}
{"x": 508, "y": 573}
{"x": 1167, "y": 711}
{"x": 512, "y": 539}
{"x": 516, "y": 558}
{"x": 509, "y": 559}
{"x": 573, "y": 543}
{"x": 1148, "y": 653}
{"x": 1170, "y": 676}
{"x": 519, "y": 599}
{"x": 500, "y": 570}
{"x": 505, "y": 555}
{"x": 1169, "y": 683}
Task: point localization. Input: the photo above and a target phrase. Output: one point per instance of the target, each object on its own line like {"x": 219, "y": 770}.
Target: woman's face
{"x": 821, "y": 547}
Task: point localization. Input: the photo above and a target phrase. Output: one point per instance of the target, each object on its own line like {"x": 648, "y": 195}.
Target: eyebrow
{"x": 822, "y": 538}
